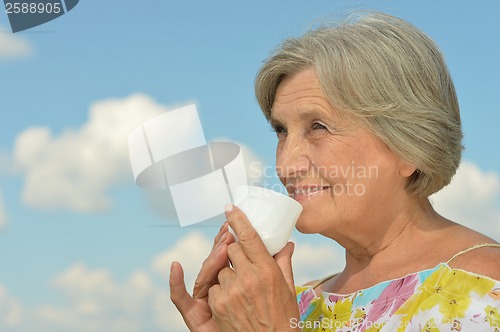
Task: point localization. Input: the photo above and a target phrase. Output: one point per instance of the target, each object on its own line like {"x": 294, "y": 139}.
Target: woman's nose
{"x": 292, "y": 159}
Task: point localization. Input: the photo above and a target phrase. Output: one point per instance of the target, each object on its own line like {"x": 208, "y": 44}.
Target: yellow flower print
{"x": 457, "y": 325}
{"x": 430, "y": 326}
{"x": 432, "y": 285}
{"x": 492, "y": 316}
{"x": 452, "y": 293}
{"x": 450, "y": 306}
{"x": 465, "y": 283}
{"x": 360, "y": 314}
{"x": 447, "y": 290}
{"x": 340, "y": 312}
{"x": 375, "y": 328}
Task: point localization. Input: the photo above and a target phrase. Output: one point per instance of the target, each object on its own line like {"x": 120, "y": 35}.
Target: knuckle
{"x": 204, "y": 265}
{"x": 218, "y": 236}
{"x": 235, "y": 292}
{"x": 222, "y": 273}
{"x": 211, "y": 291}
{"x": 174, "y": 298}
{"x": 198, "y": 284}
{"x": 248, "y": 236}
{"x": 203, "y": 275}
{"x": 248, "y": 283}
{"x": 200, "y": 278}
{"x": 216, "y": 304}
{"x": 219, "y": 308}
{"x": 208, "y": 262}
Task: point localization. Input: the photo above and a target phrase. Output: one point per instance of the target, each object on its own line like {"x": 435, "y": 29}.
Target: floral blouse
{"x": 440, "y": 299}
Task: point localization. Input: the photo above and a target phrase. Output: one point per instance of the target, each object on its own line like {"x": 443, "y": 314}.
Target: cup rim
{"x": 270, "y": 192}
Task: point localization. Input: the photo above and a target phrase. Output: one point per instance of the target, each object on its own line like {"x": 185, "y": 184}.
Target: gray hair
{"x": 392, "y": 77}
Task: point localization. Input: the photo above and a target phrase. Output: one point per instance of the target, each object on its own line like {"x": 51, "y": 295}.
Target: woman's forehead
{"x": 301, "y": 89}
{"x": 298, "y": 82}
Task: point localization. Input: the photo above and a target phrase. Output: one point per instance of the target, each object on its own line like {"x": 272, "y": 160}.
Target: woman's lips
{"x": 303, "y": 193}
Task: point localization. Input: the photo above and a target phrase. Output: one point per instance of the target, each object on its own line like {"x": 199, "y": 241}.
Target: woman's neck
{"x": 392, "y": 249}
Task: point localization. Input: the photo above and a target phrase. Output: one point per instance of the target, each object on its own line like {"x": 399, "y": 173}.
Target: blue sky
{"x": 58, "y": 246}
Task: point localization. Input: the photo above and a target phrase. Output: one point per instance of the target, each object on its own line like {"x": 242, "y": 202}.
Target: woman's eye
{"x": 317, "y": 126}
{"x": 279, "y": 130}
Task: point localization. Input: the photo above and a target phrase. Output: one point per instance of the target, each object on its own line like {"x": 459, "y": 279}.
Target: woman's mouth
{"x": 307, "y": 192}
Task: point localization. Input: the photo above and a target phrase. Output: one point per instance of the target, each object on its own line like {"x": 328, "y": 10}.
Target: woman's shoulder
{"x": 460, "y": 248}
{"x": 477, "y": 253}
{"x": 483, "y": 260}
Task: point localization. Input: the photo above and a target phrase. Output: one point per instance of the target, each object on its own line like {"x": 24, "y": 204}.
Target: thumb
{"x": 284, "y": 261}
{"x": 178, "y": 293}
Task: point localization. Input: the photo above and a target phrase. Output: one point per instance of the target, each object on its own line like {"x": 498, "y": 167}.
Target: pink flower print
{"x": 391, "y": 298}
{"x": 305, "y": 301}
{"x": 332, "y": 298}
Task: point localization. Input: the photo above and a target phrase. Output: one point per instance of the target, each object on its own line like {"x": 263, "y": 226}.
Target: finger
{"x": 207, "y": 277}
{"x": 284, "y": 261}
{"x": 223, "y": 229}
{"x": 178, "y": 293}
{"x": 216, "y": 261}
{"x": 213, "y": 297}
{"x": 239, "y": 260}
{"x": 225, "y": 275}
{"x": 230, "y": 238}
{"x": 249, "y": 239}
{"x": 237, "y": 257}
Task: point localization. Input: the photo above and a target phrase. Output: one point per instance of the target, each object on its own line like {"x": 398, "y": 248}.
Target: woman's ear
{"x": 406, "y": 169}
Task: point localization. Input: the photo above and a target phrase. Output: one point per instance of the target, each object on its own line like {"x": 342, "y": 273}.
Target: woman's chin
{"x": 305, "y": 226}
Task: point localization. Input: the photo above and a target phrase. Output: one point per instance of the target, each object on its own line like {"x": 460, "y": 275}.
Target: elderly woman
{"x": 372, "y": 93}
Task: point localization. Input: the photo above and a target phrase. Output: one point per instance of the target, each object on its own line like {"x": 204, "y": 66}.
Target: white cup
{"x": 273, "y": 215}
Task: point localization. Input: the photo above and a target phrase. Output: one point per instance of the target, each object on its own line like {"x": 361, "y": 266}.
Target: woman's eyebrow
{"x": 310, "y": 113}
{"x": 314, "y": 112}
{"x": 303, "y": 114}
{"x": 274, "y": 122}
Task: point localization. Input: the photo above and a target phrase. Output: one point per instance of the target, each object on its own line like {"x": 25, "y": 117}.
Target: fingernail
{"x": 228, "y": 207}
{"x": 171, "y": 267}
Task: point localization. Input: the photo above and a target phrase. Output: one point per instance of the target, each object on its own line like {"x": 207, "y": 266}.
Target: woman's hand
{"x": 194, "y": 309}
{"x": 258, "y": 293}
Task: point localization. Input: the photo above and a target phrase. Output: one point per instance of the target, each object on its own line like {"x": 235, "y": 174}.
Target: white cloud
{"x": 6, "y": 166}
{"x": 77, "y": 282}
{"x": 13, "y": 46}
{"x": 73, "y": 171}
{"x": 190, "y": 251}
{"x": 472, "y": 199}
{"x": 11, "y": 311}
{"x": 95, "y": 301}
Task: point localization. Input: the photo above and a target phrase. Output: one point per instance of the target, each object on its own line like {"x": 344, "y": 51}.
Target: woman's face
{"x": 340, "y": 172}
